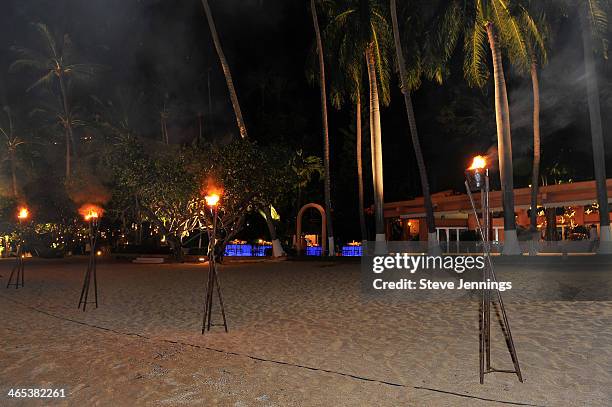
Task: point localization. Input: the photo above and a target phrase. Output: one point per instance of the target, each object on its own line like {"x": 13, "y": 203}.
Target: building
{"x": 575, "y": 202}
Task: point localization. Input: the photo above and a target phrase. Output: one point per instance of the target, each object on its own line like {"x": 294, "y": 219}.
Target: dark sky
{"x": 163, "y": 47}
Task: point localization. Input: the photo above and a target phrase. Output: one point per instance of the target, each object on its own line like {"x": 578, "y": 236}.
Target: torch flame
{"x": 478, "y": 162}
{"x": 24, "y": 213}
{"x": 91, "y": 212}
{"x": 212, "y": 199}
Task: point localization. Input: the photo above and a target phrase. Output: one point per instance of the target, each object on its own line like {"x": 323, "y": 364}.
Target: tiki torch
{"x": 22, "y": 215}
{"x": 477, "y": 179}
{"x": 91, "y": 214}
{"x": 212, "y": 201}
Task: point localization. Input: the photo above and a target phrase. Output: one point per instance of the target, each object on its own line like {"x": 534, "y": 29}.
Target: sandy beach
{"x": 301, "y": 334}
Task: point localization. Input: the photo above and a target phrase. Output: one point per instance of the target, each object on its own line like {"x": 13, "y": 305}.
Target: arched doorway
{"x": 298, "y": 234}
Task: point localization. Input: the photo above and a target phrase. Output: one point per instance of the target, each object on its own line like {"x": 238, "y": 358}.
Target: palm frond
{"x": 33, "y": 64}
{"x": 47, "y": 38}
{"x": 510, "y": 33}
{"x": 536, "y": 35}
{"x": 475, "y": 68}
{"x": 598, "y": 17}
{"x": 44, "y": 80}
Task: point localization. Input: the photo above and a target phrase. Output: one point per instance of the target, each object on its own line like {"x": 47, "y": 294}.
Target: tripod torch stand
{"x": 212, "y": 200}
{"x": 18, "y": 268}
{"x": 92, "y": 216}
{"x": 477, "y": 179}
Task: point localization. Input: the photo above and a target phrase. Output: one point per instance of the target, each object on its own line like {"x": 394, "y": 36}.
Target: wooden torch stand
{"x": 488, "y": 295}
{"x": 91, "y": 268}
{"x": 212, "y": 284}
{"x": 17, "y": 271}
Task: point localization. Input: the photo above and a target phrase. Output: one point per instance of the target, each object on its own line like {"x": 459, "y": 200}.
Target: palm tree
{"x": 405, "y": 88}
{"x": 361, "y": 38}
{"x": 56, "y": 62}
{"x": 492, "y": 23}
{"x": 594, "y": 23}
{"x": 12, "y": 142}
{"x": 226, "y": 71}
{"x": 535, "y": 35}
{"x": 348, "y": 83}
{"x": 322, "y": 86}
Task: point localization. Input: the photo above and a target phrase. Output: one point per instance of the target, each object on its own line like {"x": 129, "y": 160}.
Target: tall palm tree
{"x": 406, "y": 91}
{"x": 535, "y": 35}
{"x": 361, "y": 41}
{"x": 11, "y": 143}
{"x": 226, "y": 70}
{"x": 492, "y": 23}
{"x": 354, "y": 88}
{"x": 57, "y": 65}
{"x": 346, "y": 86}
{"x": 594, "y": 24}
{"x": 326, "y": 158}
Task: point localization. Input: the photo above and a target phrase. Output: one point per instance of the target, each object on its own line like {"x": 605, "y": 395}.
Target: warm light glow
{"x": 91, "y": 212}
{"x": 24, "y": 213}
{"x": 212, "y": 199}
{"x": 478, "y": 162}
{"x": 99, "y": 252}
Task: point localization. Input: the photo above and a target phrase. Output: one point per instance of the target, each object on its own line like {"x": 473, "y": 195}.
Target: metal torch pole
{"x": 486, "y": 299}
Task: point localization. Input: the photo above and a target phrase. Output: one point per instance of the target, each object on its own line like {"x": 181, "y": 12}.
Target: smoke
{"x": 84, "y": 187}
{"x": 562, "y": 93}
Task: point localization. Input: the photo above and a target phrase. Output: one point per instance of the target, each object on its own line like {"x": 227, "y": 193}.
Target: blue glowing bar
{"x": 313, "y": 251}
{"x": 245, "y": 250}
{"x": 351, "y": 251}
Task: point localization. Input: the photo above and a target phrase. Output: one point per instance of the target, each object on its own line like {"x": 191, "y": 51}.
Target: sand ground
{"x": 301, "y": 334}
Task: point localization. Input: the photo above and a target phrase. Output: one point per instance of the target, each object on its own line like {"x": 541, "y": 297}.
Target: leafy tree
{"x": 168, "y": 186}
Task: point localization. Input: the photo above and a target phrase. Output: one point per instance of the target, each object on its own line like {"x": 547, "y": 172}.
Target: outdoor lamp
{"x": 91, "y": 214}
{"x": 212, "y": 199}
{"x": 23, "y": 213}
{"x": 475, "y": 174}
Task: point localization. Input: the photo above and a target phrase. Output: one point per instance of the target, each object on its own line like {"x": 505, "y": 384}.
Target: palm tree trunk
{"x": 362, "y": 223}
{"x": 68, "y": 137}
{"x": 535, "y": 172}
{"x": 328, "y": 206}
{"x": 226, "y": 71}
{"x": 599, "y": 158}
{"x": 504, "y": 144}
{"x": 431, "y": 221}
{"x": 376, "y": 146}
{"x": 199, "y": 129}
{"x": 68, "y": 124}
{"x": 166, "y": 138}
{"x": 13, "y": 173}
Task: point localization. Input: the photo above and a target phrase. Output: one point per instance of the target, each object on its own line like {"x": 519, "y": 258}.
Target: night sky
{"x": 162, "y": 48}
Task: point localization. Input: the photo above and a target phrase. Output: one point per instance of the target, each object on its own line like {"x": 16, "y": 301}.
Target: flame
{"x": 478, "y": 162}
{"x": 212, "y": 199}
{"x": 91, "y": 211}
{"x": 24, "y": 213}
